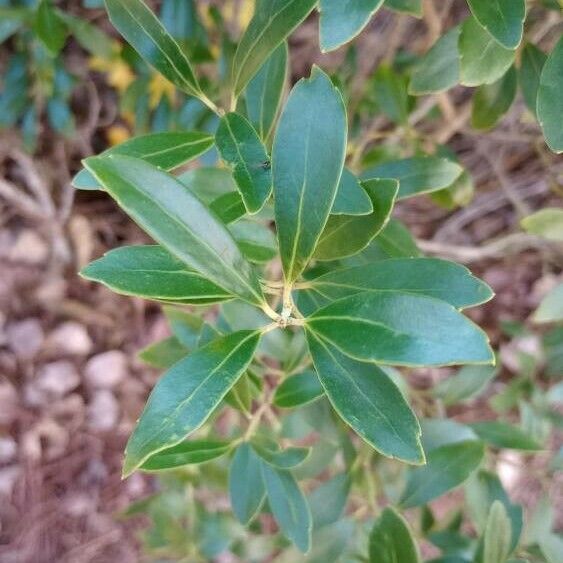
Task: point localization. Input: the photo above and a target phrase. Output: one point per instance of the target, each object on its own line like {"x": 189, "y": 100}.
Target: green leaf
{"x": 298, "y": 390}
{"x": 550, "y": 101}
{"x": 164, "y": 150}
{"x": 411, "y": 7}
{"x": 328, "y": 500}
{"x": 164, "y": 353}
{"x": 546, "y": 223}
{"x": 391, "y": 540}
{"x": 492, "y": 101}
{"x": 208, "y": 184}
{"x": 152, "y": 273}
{"x": 256, "y": 241}
{"x": 503, "y": 19}
{"x": 272, "y": 23}
{"x": 469, "y": 382}
{"x": 398, "y": 328}
{"x": 342, "y": 21}
{"x": 417, "y": 175}
{"x": 552, "y": 547}
{"x": 289, "y": 506}
{"x": 178, "y": 220}
{"x": 186, "y": 453}
{"x": 185, "y": 326}
{"x": 228, "y": 207}
{"x": 346, "y": 235}
{"x": 351, "y": 198}
{"x": 502, "y": 435}
{"x": 11, "y": 19}
{"x": 241, "y": 147}
{"x": 50, "y": 27}
{"x": 187, "y": 394}
{"x": 282, "y": 459}
{"x": 438, "y": 70}
{"x": 391, "y": 93}
{"x": 367, "y": 399}
{"x": 142, "y": 29}
{"x": 395, "y": 241}
{"x": 483, "y": 60}
{"x": 497, "y": 535}
{"x": 264, "y": 91}
{"x": 447, "y": 467}
{"x": 246, "y": 486}
{"x": 441, "y": 279}
{"x": 531, "y": 65}
{"x": 307, "y": 162}
{"x": 90, "y": 37}
{"x": 551, "y": 307}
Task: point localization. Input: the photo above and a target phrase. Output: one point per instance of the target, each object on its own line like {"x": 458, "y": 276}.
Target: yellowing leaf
{"x": 119, "y": 73}
{"x": 117, "y": 134}
{"x": 159, "y": 87}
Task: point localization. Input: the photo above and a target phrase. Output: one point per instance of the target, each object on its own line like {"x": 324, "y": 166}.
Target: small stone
{"x": 56, "y": 379}
{"x": 8, "y": 449}
{"x": 70, "y": 338}
{"x": 8, "y": 403}
{"x": 106, "y": 370}
{"x": 25, "y": 338}
{"x": 29, "y": 248}
{"x": 103, "y": 411}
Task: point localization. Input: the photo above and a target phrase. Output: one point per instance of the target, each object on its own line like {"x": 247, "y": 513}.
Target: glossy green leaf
{"x": 502, "y": 435}
{"x": 178, "y": 220}
{"x": 186, "y": 453}
{"x": 411, "y": 7}
{"x": 482, "y": 59}
{"x": 497, "y": 535}
{"x": 228, "y": 207}
{"x": 282, "y": 459}
{"x": 468, "y": 383}
{"x": 401, "y": 329}
{"x": 492, "y": 101}
{"x": 241, "y": 147}
{"x": 272, "y": 23}
{"x": 395, "y": 241}
{"x": 342, "y": 21}
{"x": 438, "y": 70}
{"x": 298, "y": 390}
{"x": 185, "y": 326}
{"x": 187, "y": 394}
{"x": 152, "y": 273}
{"x": 288, "y": 505}
{"x": 50, "y": 27}
{"x": 209, "y": 183}
{"x": 433, "y": 277}
{"x": 503, "y": 19}
{"x": 256, "y": 241}
{"x": 351, "y": 198}
{"x": 447, "y": 467}
{"x": 391, "y": 540}
{"x": 307, "y": 162}
{"x": 551, "y": 306}
{"x": 367, "y": 399}
{"x": 550, "y": 101}
{"x": 546, "y": 223}
{"x": 346, "y": 235}
{"x": 164, "y": 150}
{"x": 417, "y": 175}
{"x": 531, "y": 65}
{"x": 264, "y": 92}
{"x": 246, "y": 486}
{"x": 164, "y": 353}
{"x": 142, "y": 29}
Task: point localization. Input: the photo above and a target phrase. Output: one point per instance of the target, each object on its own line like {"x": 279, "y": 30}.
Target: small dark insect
{"x": 266, "y": 165}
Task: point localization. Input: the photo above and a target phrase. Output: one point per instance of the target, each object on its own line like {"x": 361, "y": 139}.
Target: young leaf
{"x": 438, "y": 70}
{"x": 366, "y": 398}
{"x": 346, "y": 235}
{"x": 164, "y": 150}
{"x": 504, "y": 435}
{"x": 187, "y": 394}
{"x": 447, "y": 467}
{"x": 164, "y": 353}
{"x": 492, "y": 101}
{"x": 483, "y": 60}
{"x": 186, "y": 453}
{"x": 411, "y": 7}
{"x": 178, "y": 220}
{"x": 391, "y": 540}
{"x": 469, "y": 382}
{"x": 551, "y": 306}
{"x": 307, "y": 162}
{"x": 298, "y": 390}
{"x": 550, "y": 101}
{"x": 142, "y": 29}
{"x": 351, "y": 198}
{"x": 272, "y": 23}
{"x": 546, "y": 223}
{"x": 497, "y": 535}
{"x": 441, "y": 279}
{"x": 398, "y": 328}
{"x": 264, "y": 91}
{"x": 417, "y": 175}
{"x": 152, "y": 273}
{"x": 531, "y": 65}
{"x": 503, "y": 19}
{"x": 246, "y": 486}
{"x": 241, "y": 147}
{"x": 288, "y": 505}
{"x": 342, "y": 21}
{"x": 283, "y": 459}
{"x": 50, "y": 27}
